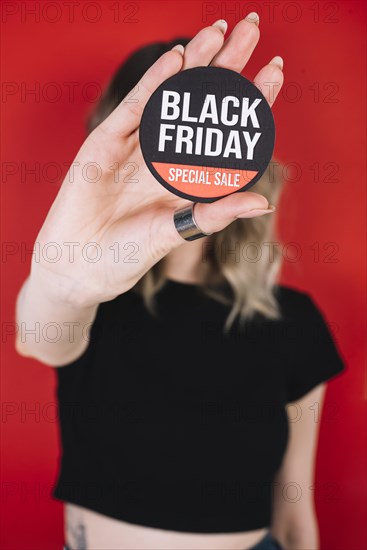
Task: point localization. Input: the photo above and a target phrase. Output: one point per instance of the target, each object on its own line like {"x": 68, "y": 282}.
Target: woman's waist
{"x": 95, "y": 530}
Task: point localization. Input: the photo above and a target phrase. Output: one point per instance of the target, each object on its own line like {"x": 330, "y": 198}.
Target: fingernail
{"x": 178, "y": 48}
{"x": 253, "y": 17}
{"x": 259, "y": 211}
{"x": 222, "y": 25}
{"x": 278, "y": 61}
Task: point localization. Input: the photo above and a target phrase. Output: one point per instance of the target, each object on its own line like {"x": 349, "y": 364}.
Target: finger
{"x": 269, "y": 79}
{"x": 127, "y": 115}
{"x": 205, "y": 45}
{"x": 212, "y": 217}
{"x": 239, "y": 45}
{"x": 216, "y": 216}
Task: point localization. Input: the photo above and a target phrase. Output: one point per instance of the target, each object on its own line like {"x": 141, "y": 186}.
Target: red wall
{"x": 65, "y": 57}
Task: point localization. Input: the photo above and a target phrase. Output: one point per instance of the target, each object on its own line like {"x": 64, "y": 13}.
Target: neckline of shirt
{"x": 184, "y": 284}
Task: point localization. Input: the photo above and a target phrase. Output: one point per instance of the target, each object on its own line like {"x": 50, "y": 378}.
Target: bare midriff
{"x": 88, "y": 530}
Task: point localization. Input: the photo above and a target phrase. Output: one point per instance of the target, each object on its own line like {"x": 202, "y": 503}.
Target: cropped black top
{"x": 168, "y": 422}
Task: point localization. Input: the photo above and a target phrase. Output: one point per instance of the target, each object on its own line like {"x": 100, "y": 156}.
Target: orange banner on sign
{"x": 201, "y": 181}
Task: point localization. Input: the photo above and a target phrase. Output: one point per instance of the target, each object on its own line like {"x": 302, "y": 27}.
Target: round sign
{"x": 207, "y": 132}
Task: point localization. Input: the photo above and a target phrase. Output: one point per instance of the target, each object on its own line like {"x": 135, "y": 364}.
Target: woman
{"x": 173, "y": 413}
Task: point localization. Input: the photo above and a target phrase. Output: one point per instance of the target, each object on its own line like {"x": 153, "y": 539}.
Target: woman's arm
{"x": 50, "y": 328}
{"x": 110, "y": 212}
{"x": 294, "y": 521}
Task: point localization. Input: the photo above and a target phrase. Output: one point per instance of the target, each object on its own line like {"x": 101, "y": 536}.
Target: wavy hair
{"x": 241, "y": 256}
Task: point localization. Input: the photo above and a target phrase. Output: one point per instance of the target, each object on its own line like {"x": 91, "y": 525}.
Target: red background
{"x": 318, "y": 119}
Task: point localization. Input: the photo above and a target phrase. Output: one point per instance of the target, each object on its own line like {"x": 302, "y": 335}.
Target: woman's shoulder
{"x": 296, "y": 303}
{"x": 290, "y": 293}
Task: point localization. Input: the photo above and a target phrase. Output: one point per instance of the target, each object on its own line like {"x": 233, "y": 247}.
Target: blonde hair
{"x": 252, "y": 280}
{"x": 252, "y": 277}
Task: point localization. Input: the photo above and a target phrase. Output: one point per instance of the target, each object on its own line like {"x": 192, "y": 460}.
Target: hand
{"x": 141, "y": 211}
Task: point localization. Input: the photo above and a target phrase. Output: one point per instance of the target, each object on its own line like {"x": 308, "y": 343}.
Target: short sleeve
{"x": 315, "y": 357}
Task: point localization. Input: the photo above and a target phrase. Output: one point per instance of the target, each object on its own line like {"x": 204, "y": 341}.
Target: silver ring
{"x": 186, "y": 225}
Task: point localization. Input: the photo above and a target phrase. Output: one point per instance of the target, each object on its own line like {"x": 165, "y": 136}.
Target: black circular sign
{"x": 207, "y": 132}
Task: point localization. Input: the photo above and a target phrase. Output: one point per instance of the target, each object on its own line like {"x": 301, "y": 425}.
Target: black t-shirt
{"x": 169, "y": 422}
